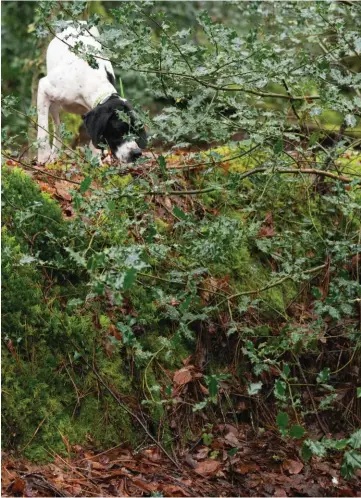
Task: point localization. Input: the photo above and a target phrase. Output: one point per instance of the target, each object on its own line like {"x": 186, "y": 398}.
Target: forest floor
{"x": 239, "y": 461}
{"x": 264, "y": 465}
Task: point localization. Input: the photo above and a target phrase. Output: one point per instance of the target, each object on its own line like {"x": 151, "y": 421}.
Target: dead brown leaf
{"x": 148, "y": 486}
{"x": 202, "y": 453}
{"x": 208, "y": 468}
{"x": 152, "y": 454}
{"x": 232, "y": 440}
{"x": 18, "y": 485}
{"x": 182, "y": 376}
{"x": 62, "y": 190}
{"x": 267, "y": 229}
{"x": 279, "y": 492}
{"x": 173, "y": 490}
{"x": 247, "y": 467}
{"x": 293, "y": 466}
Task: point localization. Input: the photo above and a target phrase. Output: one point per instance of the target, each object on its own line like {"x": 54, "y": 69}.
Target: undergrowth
{"x": 194, "y": 287}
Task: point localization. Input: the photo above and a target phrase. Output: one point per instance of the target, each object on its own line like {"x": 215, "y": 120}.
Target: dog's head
{"x": 114, "y": 123}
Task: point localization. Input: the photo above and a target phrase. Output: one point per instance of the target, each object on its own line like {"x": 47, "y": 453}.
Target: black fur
{"x": 110, "y": 77}
{"x": 105, "y": 127}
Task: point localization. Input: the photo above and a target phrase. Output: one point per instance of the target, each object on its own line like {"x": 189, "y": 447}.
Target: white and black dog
{"x": 76, "y": 87}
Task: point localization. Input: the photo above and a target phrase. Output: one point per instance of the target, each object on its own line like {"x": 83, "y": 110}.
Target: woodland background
{"x": 190, "y": 324}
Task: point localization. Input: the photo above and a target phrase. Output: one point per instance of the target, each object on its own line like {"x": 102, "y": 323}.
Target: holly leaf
{"x": 297, "y": 432}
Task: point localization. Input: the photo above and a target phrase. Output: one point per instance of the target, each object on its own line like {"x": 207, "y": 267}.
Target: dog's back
{"x": 60, "y": 55}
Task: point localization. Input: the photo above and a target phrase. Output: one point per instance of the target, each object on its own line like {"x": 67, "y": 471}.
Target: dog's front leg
{"x": 57, "y": 144}
{"x": 44, "y": 151}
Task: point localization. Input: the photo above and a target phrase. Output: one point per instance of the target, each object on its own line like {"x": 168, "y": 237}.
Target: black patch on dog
{"x": 110, "y": 77}
{"x": 105, "y": 127}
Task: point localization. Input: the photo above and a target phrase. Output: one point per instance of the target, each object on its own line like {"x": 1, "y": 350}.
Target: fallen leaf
{"x": 182, "y": 376}
{"x": 279, "y": 492}
{"x": 232, "y": 440}
{"x": 293, "y": 466}
{"x": 148, "y": 486}
{"x": 266, "y": 232}
{"x": 62, "y": 190}
{"x": 18, "y": 486}
{"x": 253, "y": 483}
{"x": 152, "y": 454}
{"x": 246, "y": 468}
{"x": 173, "y": 490}
{"x": 202, "y": 453}
{"x": 208, "y": 468}
{"x": 190, "y": 461}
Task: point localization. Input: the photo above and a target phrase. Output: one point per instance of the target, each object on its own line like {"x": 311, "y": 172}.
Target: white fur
{"x": 123, "y": 152}
{"x": 70, "y": 84}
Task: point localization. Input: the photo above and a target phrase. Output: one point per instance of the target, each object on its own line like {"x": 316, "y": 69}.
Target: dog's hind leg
{"x": 44, "y": 151}
{"x": 54, "y": 111}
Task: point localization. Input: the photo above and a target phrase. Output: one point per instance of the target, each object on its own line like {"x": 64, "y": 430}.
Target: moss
{"x": 117, "y": 181}
{"x": 162, "y": 226}
{"x": 30, "y": 212}
{"x": 71, "y": 123}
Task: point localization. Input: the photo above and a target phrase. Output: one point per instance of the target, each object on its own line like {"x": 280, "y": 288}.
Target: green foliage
{"x": 351, "y": 457}
{"x": 258, "y": 276}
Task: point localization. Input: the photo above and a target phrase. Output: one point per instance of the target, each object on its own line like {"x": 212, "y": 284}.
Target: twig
{"x": 182, "y": 192}
{"x": 155, "y": 277}
{"x": 191, "y": 166}
{"x": 292, "y": 104}
{"x": 274, "y": 284}
{"x": 201, "y": 82}
{"x": 39, "y": 170}
{"x": 307, "y": 171}
{"x": 35, "y": 433}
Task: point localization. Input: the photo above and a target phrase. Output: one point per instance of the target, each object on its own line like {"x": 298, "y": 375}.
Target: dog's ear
{"x": 95, "y": 123}
{"x": 142, "y": 140}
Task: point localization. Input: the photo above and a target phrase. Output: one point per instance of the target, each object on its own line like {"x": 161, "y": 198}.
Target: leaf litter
{"x": 260, "y": 465}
